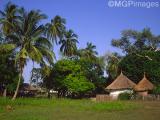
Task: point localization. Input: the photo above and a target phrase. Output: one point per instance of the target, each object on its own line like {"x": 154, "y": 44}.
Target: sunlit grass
{"x": 68, "y": 109}
{"x": 83, "y": 104}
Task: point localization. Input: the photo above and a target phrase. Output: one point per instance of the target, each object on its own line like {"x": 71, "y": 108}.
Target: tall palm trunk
{"x": 18, "y": 84}
{"x": 32, "y": 73}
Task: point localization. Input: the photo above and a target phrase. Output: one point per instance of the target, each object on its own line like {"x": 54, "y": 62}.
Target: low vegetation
{"x": 67, "y": 109}
{"x": 124, "y": 96}
{"x": 44, "y": 109}
{"x": 81, "y": 105}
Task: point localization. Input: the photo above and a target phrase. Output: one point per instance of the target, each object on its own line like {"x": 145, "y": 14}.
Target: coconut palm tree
{"x": 5, "y": 48}
{"x": 112, "y": 62}
{"x": 55, "y": 29}
{"x": 68, "y": 43}
{"x": 8, "y": 18}
{"x": 89, "y": 52}
{"x": 30, "y": 42}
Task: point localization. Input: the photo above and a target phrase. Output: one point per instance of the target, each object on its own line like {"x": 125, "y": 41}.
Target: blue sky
{"x": 93, "y": 20}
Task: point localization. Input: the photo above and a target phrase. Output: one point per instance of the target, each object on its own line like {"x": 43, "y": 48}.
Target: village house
{"x": 144, "y": 86}
{"x": 120, "y": 85}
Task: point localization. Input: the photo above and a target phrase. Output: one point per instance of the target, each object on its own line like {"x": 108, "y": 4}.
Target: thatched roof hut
{"x": 144, "y": 85}
{"x": 120, "y": 83}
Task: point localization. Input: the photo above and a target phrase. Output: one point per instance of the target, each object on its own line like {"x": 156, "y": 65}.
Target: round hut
{"x": 144, "y": 86}
{"x": 120, "y": 85}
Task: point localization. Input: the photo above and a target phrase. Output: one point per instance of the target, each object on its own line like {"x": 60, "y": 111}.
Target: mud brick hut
{"x": 120, "y": 85}
{"x": 144, "y": 86}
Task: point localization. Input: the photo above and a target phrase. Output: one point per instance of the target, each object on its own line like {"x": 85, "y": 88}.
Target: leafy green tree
{"x": 68, "y": 43}
{"x": 93, "y": 66}
{"x": 134, "y": 66}
{"x": 134, "y": 41}
{"x": 67, "y": 78}
{"x": 8, "y": 69}
{"x": 78, "y": 84}
{"x": 156, "y": 90}
{"x": 47, "y": 78}
{"x": 94, "y": 72}
{"x": 139, "y": 48}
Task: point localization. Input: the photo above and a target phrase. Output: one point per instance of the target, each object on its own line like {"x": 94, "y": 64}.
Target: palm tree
{"x": 112, "y": 62}
{"x": 89, "y": 52}
{"x": 68, "y": 43}
{"x": 5, "y": 48}
{"x": 30, "y": 43}
{"x": 55, "y": 29}
{"x": 8, "y": 18}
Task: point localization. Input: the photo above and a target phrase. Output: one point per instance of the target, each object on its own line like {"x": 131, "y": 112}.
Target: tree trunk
{"x": 32, "y": 72}
{"x": 5, "y": 92}
{"x": 58, "y": 94}
{"x": 17, "y": 88}
{"x": 49, "y": 95}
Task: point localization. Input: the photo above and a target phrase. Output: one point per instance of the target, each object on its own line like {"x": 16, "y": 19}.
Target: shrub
{"x": 124, "y": 96}
{"x": 156, "y": 90}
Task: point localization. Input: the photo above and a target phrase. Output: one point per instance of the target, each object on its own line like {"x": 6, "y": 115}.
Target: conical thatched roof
{"x": 121, "y": 82}
{"x": 144, "y": 85}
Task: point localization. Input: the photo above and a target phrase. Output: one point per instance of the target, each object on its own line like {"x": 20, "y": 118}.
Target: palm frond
{"x": 42, "y": 41}
{"x": 4, "y": 48}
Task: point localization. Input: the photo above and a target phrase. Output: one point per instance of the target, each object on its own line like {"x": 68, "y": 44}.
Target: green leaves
{"x": 89, "y": 52}
{"x": 78, "y": 84}
{"x": 8, "y": 18}
{"x": 5, "y": 48}
{"x": 25, "y": 34}
{"x": 55, "y": 29}
{"x": 134, "y": 66}
{"x": 68, "y": 43}
{"x": 29, "y": 39}
{"x": 157, "y": 90}
{"x": 68, "y": 77}
{"x": 133, "y": 41}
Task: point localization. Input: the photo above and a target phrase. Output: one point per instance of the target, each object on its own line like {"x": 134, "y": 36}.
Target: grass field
{"x": 65, "y": 109}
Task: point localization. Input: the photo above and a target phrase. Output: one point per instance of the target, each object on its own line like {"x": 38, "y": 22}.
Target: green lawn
{"x": 65, "y": 109}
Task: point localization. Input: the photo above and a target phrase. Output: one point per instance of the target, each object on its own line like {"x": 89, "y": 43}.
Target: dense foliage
{"x": 124, "y": 96}
{"x": 80, "y": 72}
{"x": 134, "y": 66}
{"x": 23, "y": 34}
{"x": 8, "y": 73}
{"x": 68, "y": 79}
{"x": 141, "y": 54}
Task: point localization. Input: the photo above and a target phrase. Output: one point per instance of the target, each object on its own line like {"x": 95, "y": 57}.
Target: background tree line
{"x": 140, "y": 53}
{"x": 80, "y": 72}
{"x": 24, "y": 37}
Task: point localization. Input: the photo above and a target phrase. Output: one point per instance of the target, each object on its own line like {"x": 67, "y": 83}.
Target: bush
{"x": 124, "y": 96}
{"x": 156, "y": 90}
